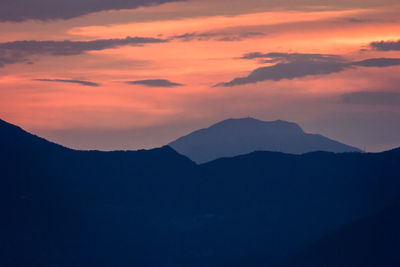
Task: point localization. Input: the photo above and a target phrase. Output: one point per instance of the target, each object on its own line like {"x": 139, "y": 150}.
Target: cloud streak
{"x": 291, "y": 66}
{"x": 11, "y": 58}
{"x": 20, "y": 10}
{"x": 377, "y": 62}
{"x": 85, "y": 83}
{"x": 19, "y": 51}
{"x": 290, "y": 57}
{"x": 217, "y": 36}
{"x": 67, "y": 48}
{"x": 371, "y": 98}
{"x": 155, "y": 83}
{"x": 386, "y": 45}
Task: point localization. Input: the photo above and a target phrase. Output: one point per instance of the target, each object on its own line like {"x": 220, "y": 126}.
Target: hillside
{"x": 368, "y": 242}
{"x": 235, "y": 137}
{"x": 65, "y": 207}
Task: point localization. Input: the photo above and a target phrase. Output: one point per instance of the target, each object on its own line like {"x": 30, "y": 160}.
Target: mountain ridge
{"x": 15, "y": 136}
{"x": 158, "y": 208}
{"x": 233, "y": 137}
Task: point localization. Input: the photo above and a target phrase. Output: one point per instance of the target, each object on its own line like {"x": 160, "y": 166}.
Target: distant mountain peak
{"x": 235, "y": 136}
{"x": 251, "y": 120}
{"x": 250, "y": 124}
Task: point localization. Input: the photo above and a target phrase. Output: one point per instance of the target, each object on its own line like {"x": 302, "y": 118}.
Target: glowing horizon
{"x": 179, "y": 51}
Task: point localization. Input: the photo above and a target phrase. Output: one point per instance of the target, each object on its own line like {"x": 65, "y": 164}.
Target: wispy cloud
{"x": 291, "y": 57}
{"x": 19, "y": 51}
{"x": 377, "y": 62}
{"x": 371, "y": 98}
{"x": 20, "y": 10}
{"x": 295, "y": 65}
{"x": 386, "y": 45}
{"x": 66, "y": 48}
{"x": 11, "y": 58}
{"x": 217, "y": 36}
{"x": 155, "y": 83}
{"x": 85, "y": 83}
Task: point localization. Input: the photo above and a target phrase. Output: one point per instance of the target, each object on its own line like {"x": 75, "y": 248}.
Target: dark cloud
{"x": 85, "y": 83}
{"x": 217, "y": 36}
{"x": 67, "y": 48}
{"x": 19, "y": 51}
{"x": 20, "y": 10}
{"x": 386, "y": 46}
{"x": 286, "y": 71}
{"x": 358, "y": 20}
{"x": 371, "y": 98}
{"x": 378, "y": 62}
{"x": 10, "y": 58}
{"x": 295, "y": 65}
{"x": 155, "y": 83}
{"x": 276, "y": 56}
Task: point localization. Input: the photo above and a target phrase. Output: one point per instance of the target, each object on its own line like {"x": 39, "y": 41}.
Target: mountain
{"x": 368, "y": 242}
{"x": 234, "y": 137}
{"x": 63, "y": 207}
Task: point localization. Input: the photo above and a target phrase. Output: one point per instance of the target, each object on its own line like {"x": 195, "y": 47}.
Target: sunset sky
{"x": 132, "y": 74}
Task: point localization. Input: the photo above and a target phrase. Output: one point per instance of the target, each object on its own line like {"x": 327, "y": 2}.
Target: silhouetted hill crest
{"x": 279, "y": 126}
{"x": 234, "y": 137}
{"x": 14, "y": 139}
{"x": 157, "y": 208}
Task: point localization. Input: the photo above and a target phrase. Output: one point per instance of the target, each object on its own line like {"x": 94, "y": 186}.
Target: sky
{"x": 130, "y": 74}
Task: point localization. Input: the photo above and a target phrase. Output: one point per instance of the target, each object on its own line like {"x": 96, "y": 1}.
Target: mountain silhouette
{"x": 63, "y": 207}
{"x": 234, "y": 137}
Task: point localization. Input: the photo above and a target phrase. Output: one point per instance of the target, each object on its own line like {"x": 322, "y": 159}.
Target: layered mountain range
{"x": 63, "y": 207}
{"x": 235, "y": 137}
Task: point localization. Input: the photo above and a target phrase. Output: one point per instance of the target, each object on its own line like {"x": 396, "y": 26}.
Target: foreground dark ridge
{"x": 235, "y": 137}
{"x": 368, "y": 242}
{"x": 63, "y": 207}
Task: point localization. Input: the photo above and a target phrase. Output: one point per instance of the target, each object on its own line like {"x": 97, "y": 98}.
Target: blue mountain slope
{"x": 234, "y": 137}
{"x": 62, "y": 207}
